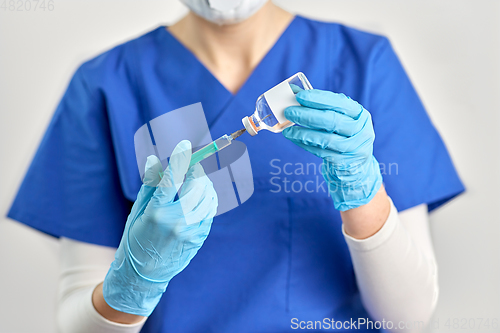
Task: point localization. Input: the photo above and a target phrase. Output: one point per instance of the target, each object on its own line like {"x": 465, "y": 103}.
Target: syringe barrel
{"x": 210, "y": 149}
{"x": 223, "y": 141}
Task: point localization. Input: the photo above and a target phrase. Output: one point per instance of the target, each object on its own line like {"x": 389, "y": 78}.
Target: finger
{"x": 327, "y": 100}
{"x": 194, "y": 189}
{"x": 173, "y": 176}
{"x": 196, "y": 180}
{"x": 191, "y": 199}
{"x": 191, "y": 208}
{"x": 151, "y": 178}
{"x": 327, "y": 141}
{"x": 336, "y": 157}
{"x": 152, "y": 171}
{"x": 326, "y": 120}
{"x": 195, "y": 172}
{"x": 206, "y": 208}
{"x": 295, "y": 88}
{"x": 192, "y": 193}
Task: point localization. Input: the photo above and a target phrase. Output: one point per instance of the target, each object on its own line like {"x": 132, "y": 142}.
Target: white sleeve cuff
{"x": 379, "y": 238}
{"x": 83, "y": 267}
{"x": 78, "y": 315}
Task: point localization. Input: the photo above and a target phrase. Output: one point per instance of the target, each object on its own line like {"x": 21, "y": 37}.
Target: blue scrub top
{"x": 281, "y": 254}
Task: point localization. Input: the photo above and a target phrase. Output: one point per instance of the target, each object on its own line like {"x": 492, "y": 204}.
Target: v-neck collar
{"x": 257, "y": 68}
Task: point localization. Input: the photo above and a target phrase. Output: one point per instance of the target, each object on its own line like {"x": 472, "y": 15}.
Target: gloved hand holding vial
{"x": 331, "y": 126}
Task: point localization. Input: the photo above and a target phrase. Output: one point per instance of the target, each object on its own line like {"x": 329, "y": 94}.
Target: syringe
{"x": 214, "y": 147}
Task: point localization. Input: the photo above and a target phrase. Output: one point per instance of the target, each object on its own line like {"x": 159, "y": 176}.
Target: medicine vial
{"x": 270, "y": 106}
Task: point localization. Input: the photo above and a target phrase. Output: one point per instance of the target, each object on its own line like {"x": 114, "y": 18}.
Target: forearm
{"x": 395, "y": 271}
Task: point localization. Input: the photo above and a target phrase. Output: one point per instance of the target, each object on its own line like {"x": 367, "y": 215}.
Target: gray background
{"x": 450, "y": 49}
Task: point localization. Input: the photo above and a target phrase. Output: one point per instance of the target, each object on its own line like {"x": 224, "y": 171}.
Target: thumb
{"x": 152, "y": 171}
{"x": 151, "y": 178}
{"x": 175, "y": 172}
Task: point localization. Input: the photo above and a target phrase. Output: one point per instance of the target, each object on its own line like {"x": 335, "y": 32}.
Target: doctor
{"x": 282, "y": 260}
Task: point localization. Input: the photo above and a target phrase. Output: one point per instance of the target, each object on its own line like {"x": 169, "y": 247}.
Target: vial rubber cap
{"x": 250, "y": 129}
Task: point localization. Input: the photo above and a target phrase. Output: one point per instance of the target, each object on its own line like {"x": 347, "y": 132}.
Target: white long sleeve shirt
{"x": 395, "y": 270}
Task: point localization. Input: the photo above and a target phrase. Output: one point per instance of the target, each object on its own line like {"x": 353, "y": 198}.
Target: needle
{"x": 241, "y": 131}
{"x": 238, "y": 133}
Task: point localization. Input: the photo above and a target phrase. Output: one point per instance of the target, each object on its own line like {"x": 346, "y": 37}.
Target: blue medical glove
{"x": 161, "y": 235}
{"x": 339, "y": 130}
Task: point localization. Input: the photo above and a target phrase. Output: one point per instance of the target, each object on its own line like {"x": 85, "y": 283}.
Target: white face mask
{"x": 224, "y": 11}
